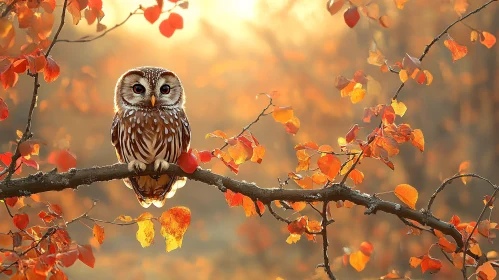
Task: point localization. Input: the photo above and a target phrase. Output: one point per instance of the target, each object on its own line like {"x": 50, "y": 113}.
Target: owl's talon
{"x": 161, "y": 165}
{"x": 136, "y": 166}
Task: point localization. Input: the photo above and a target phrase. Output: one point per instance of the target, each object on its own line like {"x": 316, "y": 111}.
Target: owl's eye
{"x": 139, "y": 89}
{"x": 164, "y": 89}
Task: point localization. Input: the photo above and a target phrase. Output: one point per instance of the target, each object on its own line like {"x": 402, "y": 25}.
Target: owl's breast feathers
{"x": 147, "y": 135}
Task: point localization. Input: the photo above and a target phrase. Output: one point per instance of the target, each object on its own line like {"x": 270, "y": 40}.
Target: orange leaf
{"x": 408, "y": 194}
{"x": 258, "y": 153}
{"x": 417, "y": 139}
{"x": 233, "y": 199}
{"x": 293, "y": 125}
{"x": 358, "y": 260}
{"x": 460, "y": 6}
{"x": 86, "y": 255}
{"x": 458, "y": 51}
{"x": 357, "y": 93}
{"x": 430, "y": 264}
{"x": 63, "y": 159}
{"x": 329, "y": 165}
{"x": 125, "y": 219}
{"x": 488, "y": 270}
{"x": 176, "y": 21}
{"x": 400, "y": 3}
{"x": 51, "y": 71}
{"x": 306, "y": 145}
{"x": 305, "y": 183}
{"x": 166, "y": 29}
{"x": 303, "y": 160}
{"x": 298, "y": 206}
{"x": 415, "y": 262}
{"x": 356, "y": 176}
{"x": 487, "y": 39}
{"x": 217, "y": 134}
{"x": 333, "y": 6}
{"x": 446, "y": 245}
{"x": 249, "y": 207}
{"x": 98, "y": 232}
{"x": 145, "y": 233}
{"x": 403, "y": 75}
{"x": 174, "y": 224}
{"x": 4, "y": 110}
{"x": 385, "y": 21}
{"x": 319, "y": 178}
{"x": 298, "y": 226}
{"x": 282, "y": 114}
{"x": 429, "y": 77}
{"x": 240, "y": 152}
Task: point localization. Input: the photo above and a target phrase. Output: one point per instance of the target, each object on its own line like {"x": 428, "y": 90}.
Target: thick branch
{"x": 52, "y": 181}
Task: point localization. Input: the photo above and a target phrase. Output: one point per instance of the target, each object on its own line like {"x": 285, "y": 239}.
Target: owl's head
{"x": 148, "y": 88}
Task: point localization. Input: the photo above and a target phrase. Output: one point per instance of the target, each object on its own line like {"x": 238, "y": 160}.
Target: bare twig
{"x": 325, "y": 242}
{"x": 61, "y": 25}
{"x": 263, "y": 113}
{"x": 449, "y": 181}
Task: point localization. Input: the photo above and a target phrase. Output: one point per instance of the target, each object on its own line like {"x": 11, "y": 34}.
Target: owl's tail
{"x": 146, "y": 189}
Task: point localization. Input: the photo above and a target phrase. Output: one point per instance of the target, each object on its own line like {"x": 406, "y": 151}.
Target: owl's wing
{"x": 186, "y": 134}
{"x": 115, "y": 133}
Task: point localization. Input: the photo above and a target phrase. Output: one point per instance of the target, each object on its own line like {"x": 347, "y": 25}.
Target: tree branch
{"x": 52, "y": 181}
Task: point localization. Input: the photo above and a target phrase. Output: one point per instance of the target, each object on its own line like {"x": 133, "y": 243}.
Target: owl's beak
{"x": 153, "y": 100}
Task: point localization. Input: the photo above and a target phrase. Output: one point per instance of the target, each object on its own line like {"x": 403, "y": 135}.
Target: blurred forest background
{"x": 227, "y": 53}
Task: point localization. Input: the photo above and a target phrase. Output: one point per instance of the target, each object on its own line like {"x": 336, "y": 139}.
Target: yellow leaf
{"x": 293, "y": 238}
{"x": 408, "y": 194}
{"x": 347, "y": 90}
{"x": 403, "y": 75}
{"x": 145, "y": 234}
{"x": 239, "y": 152}
{"x": 98, "y": 232}
{"x": 399, "y": 108}
{"x": 357, "y": 93}
{"x": 174, "y": 224}
{"x": 303, "y": 160}
{"x": 342, "y": 141}
{"x": 358, "y": 260}
{"x": 474, "y": 36}
{"x": 124, "y": 218}
{"x": 282, "y": 114}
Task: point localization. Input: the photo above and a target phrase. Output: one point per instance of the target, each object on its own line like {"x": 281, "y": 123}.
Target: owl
{"x": 150, "y": 127}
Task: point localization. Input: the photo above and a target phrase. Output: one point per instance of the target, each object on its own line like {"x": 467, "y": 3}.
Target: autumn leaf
{"x": 408, "y": 194}
{"x": 293, "y": 125}
{"x": 4, "y": 110}
{"x": 11, "y": 201}
{"x": 352, "y": 133}
{"x": 357, "y": 94}
{"x": 458, "y": 51}
{"x": 429, "y": 77}
{"x": 282, "y": 114}
{"x": 385, "y": 21}
{"x": 98, "y": 232}
{"x": 166, "y": 29}
{"x": 460, "y": 6}
{"x": 400, "y": 4}
{"x": 86, "y": 255}
{"x": 399, "y": 107}
{"x": 174, "y": 224}
{"x": 366, "y": 248}
{"x": 240, "y": 152}
{"x": 403, "y": 75}
{"x": 488, "y": 270}
{"x": 334, "y": 6}
{"x": 233, "y": 199}
{"x": 293, "y": 238}
{"x": 152, "y": 13}
{"x": 258, "y": 154}
{"x": 356, "y": 176}
{"x": 303, "y": 160}
{"x": 20, "y": 221}
{"x": 329, "y": 165}
{"x": 123, "y": 218}
{"x": 415, "y": 262}
{"x": 188, "y": 162}
{"x": 358, "y": 260}
{"x": 205, "y": 156}
{"x": 176, "y": 21}
{"x": 487, "y": 39}
{"x": 63, "y": 159}
{"x": 430, "y": 264}
{"x": 249, "y": 207}
{"x": 351, "y": 16}
{"x": 51, "y": 71}
{"x": 145, "y": 233}
{"x": 417, "y": 139}
{"x": 217, "y": 134}
{"x": 305, "y": 183}
{"x": 446, "y": 245}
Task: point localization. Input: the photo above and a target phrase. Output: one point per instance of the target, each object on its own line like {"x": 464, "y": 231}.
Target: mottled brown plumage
{"x": 150, "y": 127}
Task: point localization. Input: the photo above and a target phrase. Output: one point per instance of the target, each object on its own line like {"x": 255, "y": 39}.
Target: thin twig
{"x": 325, "y": 242}
{"x": 449, "y": 181}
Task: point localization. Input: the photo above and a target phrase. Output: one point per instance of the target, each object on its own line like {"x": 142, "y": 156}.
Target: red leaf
{"x": 205, "y": 156}
{"x": 51, "y": 70}
{"x": 233, "y": 199}
{"x": 64, "y": 160}
{"x": 152, "y": 14}
{"x": 11, "y": 201}
{"x": 351, "y": 16}
{"x": 166, "y": 29}
{"x": 86, "y": 255}
{"x": 187, "y": 162}
{"x": 176, "y": 21}
{"x": 21, "y": 221}
{"x": 352, "y": 134}
{"x": 68, "y": 258}
{"x": 9, "y": 78}
{"x": 4, "y": 110}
